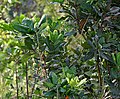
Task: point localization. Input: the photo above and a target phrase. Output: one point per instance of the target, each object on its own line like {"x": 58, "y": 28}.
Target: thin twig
{"x": 17, "y": 83}
{"x": 27, "y": 81}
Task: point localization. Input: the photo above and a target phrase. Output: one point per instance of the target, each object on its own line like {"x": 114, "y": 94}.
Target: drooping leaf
{"x": 70, "y": 33}
{"x": 106, "y": 56}
{"x": 89, "y": 55}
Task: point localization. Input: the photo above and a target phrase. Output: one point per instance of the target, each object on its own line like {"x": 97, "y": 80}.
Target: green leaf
{"x": 53, "y": 77}
{"x": 2, "y": 56}
{"x": 48, "y": 84}
{"x": 21, "y": 28}
{"x": 49, "y": 93}
{"x": 102, "y": 40}
{"x": 59, "y": 1}
{"x": 42, "y": 27}
{"x": 118, "y": 47}
{"x": 6, "y": 26}
{"x": 74, "y": 82}
{"x": 72, "y": 70}
{"x": 48, "y": 43}
{"x": 18, "y": 19}
{"x": 82, "y": 82}
{"x": 25, "y": 58}
{"x": 37, "y": 91}
{"x": 70, "y": 33}
{"x": 64, "y": 82}
{"x": 42, "y": 20}
{"x": 27, "y": 26}
{"x": 86, "y": 45}
{"x": 29, "y": 23}
{"x": 62, "y": 90}
{"x": 28, "y": 43}
{"x": 89, "y": 55}
{"x": 54, "y": 35}
{"x": 106, "y": 56}
{"x": 96, "y": 9}
{"x": 118, "y": 58}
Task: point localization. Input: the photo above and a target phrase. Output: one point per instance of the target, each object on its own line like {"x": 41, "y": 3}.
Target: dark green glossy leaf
{"x": 54, "y": 78}
{"x": 70, "y": 33}
{"x": 118, "y": 58}
{"x": 59, "y": 1}
{"x": 29, "y": 23}
{"x": 118, "y": 47}
{"x": 62, "y": 90}
{"x": 86, "y": 45}
{"x": 21, "y": 28}
{"x": 64, "y": 82}
{"x": 48, "y": 43}
{"x": 49, "y": 93}
{"x": 27, "y": 26}
{"x": 106, "y": 56}
{"x": 89, "y": 55}
{"x": 29, "y": 43}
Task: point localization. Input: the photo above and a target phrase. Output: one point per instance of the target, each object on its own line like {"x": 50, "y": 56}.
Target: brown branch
{"x": 98, "y": 68}
{"x": 34, "y": 82}
{"x": 27, "y": 81}
{"x": 17, "y": 84}
{"x": 17, "y": 87}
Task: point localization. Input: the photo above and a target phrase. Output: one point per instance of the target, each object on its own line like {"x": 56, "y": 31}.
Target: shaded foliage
{"x": 75, "y": 55}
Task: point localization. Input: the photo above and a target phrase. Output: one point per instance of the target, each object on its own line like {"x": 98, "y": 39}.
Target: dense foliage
{"x": 60, "y": 49}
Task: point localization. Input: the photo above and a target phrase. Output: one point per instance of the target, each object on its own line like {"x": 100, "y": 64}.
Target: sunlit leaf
{"x": 83, "y": 81}
{"x": 48, "y": 84}
{"x": 59, "y": 1}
